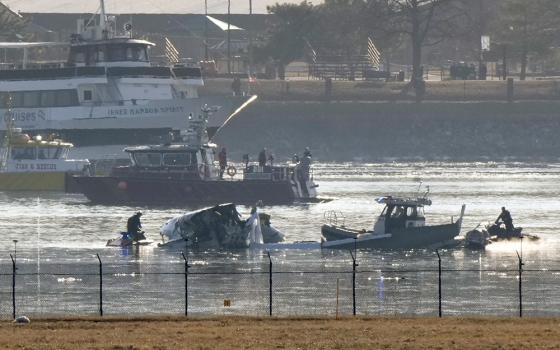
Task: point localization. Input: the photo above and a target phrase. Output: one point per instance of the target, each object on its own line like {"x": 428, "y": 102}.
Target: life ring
{"x": 231, "y": 171}
{"x": 202, "y": 171}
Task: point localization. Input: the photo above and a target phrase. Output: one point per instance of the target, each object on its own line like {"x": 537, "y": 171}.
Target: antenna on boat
{"x": 9, "y": 121}
{"x": 419, "y": 187}
{"x": 103, "y": 16}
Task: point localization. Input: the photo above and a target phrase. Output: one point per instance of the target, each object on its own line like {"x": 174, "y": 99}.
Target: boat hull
{"x": 36, "y": 181}
{"x": 121, "y": 124}
{"x": 115, "y": 190}
{"x": 409, "y": 238}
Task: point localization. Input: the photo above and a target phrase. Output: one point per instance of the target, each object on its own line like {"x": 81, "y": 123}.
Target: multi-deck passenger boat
{"x": 185, "y": 173}
{"x": 107, "y": 92}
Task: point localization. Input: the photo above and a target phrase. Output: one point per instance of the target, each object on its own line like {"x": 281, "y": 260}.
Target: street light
{"x": 229, "y": 37}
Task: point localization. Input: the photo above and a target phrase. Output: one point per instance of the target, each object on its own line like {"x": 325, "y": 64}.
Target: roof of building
{"x": 141, "y": 6}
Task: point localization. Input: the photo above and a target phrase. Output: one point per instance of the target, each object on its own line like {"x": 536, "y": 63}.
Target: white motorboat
{"x": 401, "y": 225}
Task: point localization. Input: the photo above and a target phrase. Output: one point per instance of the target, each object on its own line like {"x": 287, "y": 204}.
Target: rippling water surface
{"x": 58, "y": 232}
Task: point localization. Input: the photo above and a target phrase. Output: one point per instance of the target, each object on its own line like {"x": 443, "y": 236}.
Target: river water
{"x": 59, "y": 236}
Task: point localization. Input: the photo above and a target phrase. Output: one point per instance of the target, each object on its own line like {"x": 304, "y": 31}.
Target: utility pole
{"x": 250, "y": 51}
{"x": 482, "y": 29}
{"x": 206, "y": 30}
{"x": 229, "y": 37}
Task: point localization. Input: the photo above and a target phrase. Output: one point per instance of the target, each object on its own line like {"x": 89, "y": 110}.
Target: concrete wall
{"x": 350, "y": 131}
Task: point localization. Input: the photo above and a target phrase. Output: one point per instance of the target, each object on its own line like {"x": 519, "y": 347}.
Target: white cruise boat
{"x": 108, "y": 91}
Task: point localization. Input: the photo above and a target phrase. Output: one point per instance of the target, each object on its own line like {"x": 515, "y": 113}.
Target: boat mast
{"x": 102, "y": 16}
{"x": 103, "y": 20}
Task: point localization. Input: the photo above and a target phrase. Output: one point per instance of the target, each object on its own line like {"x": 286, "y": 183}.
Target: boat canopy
{"x": 407, "y": 202}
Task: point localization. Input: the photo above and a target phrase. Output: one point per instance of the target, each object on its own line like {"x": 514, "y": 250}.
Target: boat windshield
{"x": 177, "y": 159}
{"x": 147, "y": 159}
{"x": 24, "y": 153}
{"x": 50, "y": 153}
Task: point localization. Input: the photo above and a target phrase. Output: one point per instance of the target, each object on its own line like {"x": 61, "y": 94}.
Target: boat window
{"x": 31, "y": 99}
{"x": 177, "y": 159}
{"x": 100, "y": 54}
{"x": 23, "y": 153}
{"x": 142, "y": 54}
{"x": 66, "y": 98}
{"x": 411, "y": 212}
{"x": 48, "y": 98}
{"x": 78, "y": 55}
{"x": 399, "y": 212}
{"x": 148, "y": 159}
{"x": 88, "y": 95}
{"x": 49, "y": 153}
{"x": 116, "y": 53}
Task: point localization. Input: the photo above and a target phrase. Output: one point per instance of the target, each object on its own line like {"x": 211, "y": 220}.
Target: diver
{"x": 134, "y": 228}
{"x": 505, "y": 216}
{"x": 306, "y": 152}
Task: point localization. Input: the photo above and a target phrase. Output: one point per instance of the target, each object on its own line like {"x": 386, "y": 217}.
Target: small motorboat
{"x": 219, "y": 227}
{"x": 401, "y": 225}
{"x": 126, "y": 240}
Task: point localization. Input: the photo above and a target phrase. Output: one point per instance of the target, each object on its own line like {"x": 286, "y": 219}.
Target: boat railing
{"x": 334, "y": 218}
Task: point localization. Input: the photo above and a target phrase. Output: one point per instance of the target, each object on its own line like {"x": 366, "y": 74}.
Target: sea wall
{"x": 381, "y": 131}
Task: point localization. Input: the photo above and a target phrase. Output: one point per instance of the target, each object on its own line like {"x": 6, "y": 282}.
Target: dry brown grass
{"x": 251, "y": 333}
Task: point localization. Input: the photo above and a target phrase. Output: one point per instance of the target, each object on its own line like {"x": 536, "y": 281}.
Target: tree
{"x": 287, "y": 37}
{"x": 11, "y": 24}
{"x": 425, "y": 22}
{"x": 528, "y": 28}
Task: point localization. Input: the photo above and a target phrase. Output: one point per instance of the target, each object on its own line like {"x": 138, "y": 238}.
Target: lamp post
{"x": 206, "y": 30}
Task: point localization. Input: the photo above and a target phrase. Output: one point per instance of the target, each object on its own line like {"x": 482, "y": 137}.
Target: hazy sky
{"x": 140, "y": 6}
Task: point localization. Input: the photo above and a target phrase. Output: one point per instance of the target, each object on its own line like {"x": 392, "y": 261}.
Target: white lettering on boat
{"x": 25, "y": 166}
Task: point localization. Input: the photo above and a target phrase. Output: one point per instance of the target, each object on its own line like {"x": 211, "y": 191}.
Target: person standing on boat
{"x": 134, "y": 227}
{"x": 505, "y": 216}
{"x": 222, "y": 159}
{"x": 307, "y": 152}
{"x": 262, "y": 158}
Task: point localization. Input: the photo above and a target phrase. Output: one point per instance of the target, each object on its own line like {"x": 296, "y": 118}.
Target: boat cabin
{"x": 172, "y": 161}
{"x": 400, "y": 213}
{"x": 23, "y": 153}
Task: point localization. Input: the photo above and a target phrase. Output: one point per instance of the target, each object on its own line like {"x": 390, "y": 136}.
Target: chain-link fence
{"x": 268, "y": 286}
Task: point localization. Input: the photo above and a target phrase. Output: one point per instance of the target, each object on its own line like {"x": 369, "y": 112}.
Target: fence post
{"x": 354, "y": 265}
{"x": 13, "y": 287}
{"x": 186, "y": 260}
{"x": 269, "y": 284}
{"x": 439, "y": 283}
{"x": 520, "y": 268}
{"x": 100, "y": 286}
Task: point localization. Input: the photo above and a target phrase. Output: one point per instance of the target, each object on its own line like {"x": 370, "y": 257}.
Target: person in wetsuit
{"x": 505, "y": 216}
{"x": 134, "y": 227}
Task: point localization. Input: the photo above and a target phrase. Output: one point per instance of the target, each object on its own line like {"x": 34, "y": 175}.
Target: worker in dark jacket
{"x": 222, "y": 159}
{"x": 505, "y": 216}
{"x": 134, "y": 227}
{"x": 262, "y": 158}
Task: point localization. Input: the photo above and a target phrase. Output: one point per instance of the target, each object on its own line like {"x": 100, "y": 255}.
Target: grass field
{"x": 251, "y": 333}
